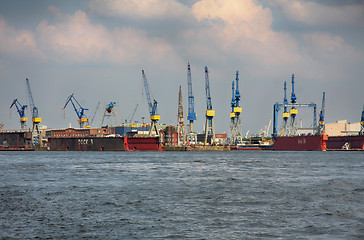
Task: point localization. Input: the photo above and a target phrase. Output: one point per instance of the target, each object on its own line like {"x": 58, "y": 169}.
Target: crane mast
{"x": 80, "y": 111}
{"x": 210, "y": 113}
{"x": 191, "y": 115}
{"x": 236, "y": 128}
{"x": 21, "y": 110}
{"x": 293, "y": 112}
{"x": 154, "y": 117}
{"x": 321, "y": 126}
{"x": 285, "y": 114}
{"x": 35, "y": 116}
{"x": 181, "y": 131}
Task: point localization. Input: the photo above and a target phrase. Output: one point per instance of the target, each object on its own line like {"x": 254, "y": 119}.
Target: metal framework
{"x": 236, "y": 126}
{"x": 35, "y": 117}
{"x": 362, "y": 123}
{"x": 321, "y": 125}
{"x": 181, "y": 130}
{"x": 210, "y": 113}
{"x": 109, "y": 113}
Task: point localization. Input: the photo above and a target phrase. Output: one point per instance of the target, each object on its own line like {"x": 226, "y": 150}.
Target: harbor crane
{"x": 133, "y": 114}
{"x": 210, "y": 113}
{"x": 21, "y": 110}
{"x": 108, "y": 113}
{"x": 191, "y": 115}
{"x": 362, "y": 123}
{"x": 232, "y": 113}
{"x": 236, "y": 127}
{"x": 80, "y": 111}
{"x": 285, "y": 114}
{"x": 154, "y": 116}
{"x": 321, "y": 125}
{"x": 294, "y": 111}
{"x": 181, "y": 131}
{"x": 35, "y": 116}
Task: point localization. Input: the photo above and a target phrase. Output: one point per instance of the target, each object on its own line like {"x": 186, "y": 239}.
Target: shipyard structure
{"x": 155, "y": 136}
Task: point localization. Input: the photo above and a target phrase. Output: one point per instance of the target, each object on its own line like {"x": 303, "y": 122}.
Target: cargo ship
{"x": 301, "y": 143}
{"x": 345, "y": 143}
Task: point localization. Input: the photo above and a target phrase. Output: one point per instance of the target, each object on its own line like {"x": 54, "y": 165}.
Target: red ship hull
{"x": 300, "y": 143}
{"x": 104, "y": 144}
{"x": 346, "y": 143}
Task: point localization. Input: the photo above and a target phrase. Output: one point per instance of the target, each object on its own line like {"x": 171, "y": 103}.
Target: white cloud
{"x": 313, "y": 13}
{"x": 18, "y": 43}
{"x": 136, "y": 9}
{"x": 74, "y": 39}
{"x": 244, "y": 28}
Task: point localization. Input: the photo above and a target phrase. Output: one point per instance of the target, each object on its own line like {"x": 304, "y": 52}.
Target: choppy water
{"x": 180, "y": 195}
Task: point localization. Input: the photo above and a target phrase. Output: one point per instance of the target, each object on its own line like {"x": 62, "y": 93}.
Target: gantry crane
{"x": 321, "y": 125}
{"x": 191, "y": 115}
{"x": 21, "y": 110}
{"x": 35, "y": 117}
{"x": 285, "y": 114}
{"x": 181, "y": 131}
{"x": 108, "y": 113}
{"x": 80, "y": 111}
{"x": 154, "y": 117}
{"x": 362, "y": 123}
{"x": 236, "y": 127}
{"x": 210, "y": 113}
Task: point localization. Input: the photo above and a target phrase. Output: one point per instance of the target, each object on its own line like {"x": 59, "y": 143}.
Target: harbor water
{"x": 182, "y": 195}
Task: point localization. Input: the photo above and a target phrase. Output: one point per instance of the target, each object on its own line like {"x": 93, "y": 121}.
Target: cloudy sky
{"x": 97, "y": 48}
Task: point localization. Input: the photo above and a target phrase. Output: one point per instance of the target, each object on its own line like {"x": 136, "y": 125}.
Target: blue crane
{"x": 154, "y": 117}
{"x": 232, "y": 103}
{"x": 293, "y": 110}
{"x": 362, "y": 123}
{"x": 35, "y": 116}
{"x": 285, "y": 113}
{"x": 191, "y": 115}
{"x": 21, "y": 110}
{"x": 210, "y": 113}
{"x": 236, "y": 125}
{"x": 109, "y": 111}
{"x": 321, "y": 126}
{"x": 82, "y": 119}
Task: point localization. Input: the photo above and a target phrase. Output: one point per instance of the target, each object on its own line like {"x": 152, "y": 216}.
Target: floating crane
{"x": 321, "y": 125}
{"x": 236, "y": 128}
{"x": 285, "y": 113}
{"x": 191, "y": 115}
{"x": 21, "y": 110}
{"x": 210, "y": 113}
{"x": 181, "y": 131}
{"x": 362, "y": 123}
{"x": 35, "y": 116}
{"x": 154, "y": 117}
{"x": 82, "y": 119}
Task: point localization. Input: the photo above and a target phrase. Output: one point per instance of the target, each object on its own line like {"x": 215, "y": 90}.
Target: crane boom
{"x": 210, "y": 113}
{"x": 191, "y": 99}
{"x": 80, "y": 111}
{"x": 207, "y": 88}
{"x": 154, "y": 117}
{"x": 35, "y": 117}
{"x": 21, "y": 110}
{"x": 321, "y": 126}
